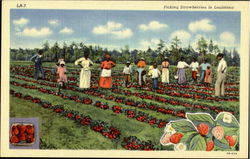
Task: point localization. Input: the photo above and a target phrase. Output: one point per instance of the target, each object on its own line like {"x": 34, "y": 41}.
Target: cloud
{"x": 153, "y": 26}
{"x": 201, "y": 25}
{"x": 227, "y": 37}
{"x": 183, "y": 35}
{"x": 20, "y": 22}
{"x": 151, "y": 43}
{"x": 66, "y": 30}
{"x": 35, "y": 33}
{"x": 53, "y": 22}
{"x": 113, "y": 28}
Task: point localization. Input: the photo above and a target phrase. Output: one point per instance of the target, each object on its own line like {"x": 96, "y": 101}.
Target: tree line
{"x": 70, "y": 52}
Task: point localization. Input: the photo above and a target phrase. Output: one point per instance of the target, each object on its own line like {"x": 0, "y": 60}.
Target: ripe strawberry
{"x": 14, "y": 139}
{"x": 22, "y": 129}
{"x": 29, "y": 138}
{"x": 203, "y": 129}
{"x": 231, "y": 140}
{"x": 175, "y": 138}
{"x": 15, "y": 131}
{"x": 22, "y": 137}
{"x": 210, "y": 145}
{"x": 29, "y": 129}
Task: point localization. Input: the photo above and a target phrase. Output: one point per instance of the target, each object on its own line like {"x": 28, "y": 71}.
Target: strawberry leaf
{"x": 183, "y": 126}
{"x": 197, "y": 143}
{"x": 198, "y": 118}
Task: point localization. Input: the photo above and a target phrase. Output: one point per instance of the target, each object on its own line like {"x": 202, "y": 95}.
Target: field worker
{"x": 165, "y": 70}
{"x": 141, "y": 71}
{"x": 106, "y": 66}
{"x": 57, "y": 65}
{"x": 38, "y": 64}
{"x": 127, "y": 71}
{"x": 61, "y": 75}
{"x": 203, "y": 68}
{"x": 181, "y": 71}
{"x": 208, "y": 77}
{"x": 221, "y": 74}
{"x": 85, "y": 74}
{"x": 155, "y": 74}
{"x": 194, "y": 66}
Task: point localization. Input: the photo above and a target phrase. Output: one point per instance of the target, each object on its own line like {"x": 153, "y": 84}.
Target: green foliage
{"x": 73, "y": 51}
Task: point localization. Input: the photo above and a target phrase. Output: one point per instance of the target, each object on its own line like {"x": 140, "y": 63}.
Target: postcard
{"x": 125, "y": 79}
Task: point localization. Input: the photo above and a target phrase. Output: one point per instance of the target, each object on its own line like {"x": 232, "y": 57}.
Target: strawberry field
{"x": 121, "y": 118}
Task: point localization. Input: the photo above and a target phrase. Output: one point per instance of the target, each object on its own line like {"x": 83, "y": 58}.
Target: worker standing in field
{"x": 106, "y": 66}
{"x": 181, "y": 71}
{"x": 165, "y": 70}
{"x": 194, "y": 66}
{"x": 38, "y": 64}
{"x": 61, "y": 76}
{"x": 154, "y": 74}
{"x": 85, "y": 74}
{"x": 127, "y": 71}
{"x": 141, "y": 71}
{"x": 221, "y": 75}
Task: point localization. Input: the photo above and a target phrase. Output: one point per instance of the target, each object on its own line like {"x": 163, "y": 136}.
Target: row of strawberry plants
{"x": 101, "y": 127}
{"x": 101, "y": 94}
{"x": 130, "y": 113}
{"x": 171, "y": 101}
{"x": 128, "y": 102}
{"x": 156, "y": 98}
{"x": 191, "y": 95}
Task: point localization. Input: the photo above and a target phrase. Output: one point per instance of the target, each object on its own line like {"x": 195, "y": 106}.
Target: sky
{"x": 113, "y": 29}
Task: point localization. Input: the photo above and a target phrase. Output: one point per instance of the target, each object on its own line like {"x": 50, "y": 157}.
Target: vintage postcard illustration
{"x": 131, "y": 79}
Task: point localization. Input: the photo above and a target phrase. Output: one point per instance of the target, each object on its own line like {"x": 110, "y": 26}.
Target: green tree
{"x": 202, "y": 46}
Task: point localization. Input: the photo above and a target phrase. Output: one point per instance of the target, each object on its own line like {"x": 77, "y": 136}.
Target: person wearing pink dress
{"x": 61, "y": 75}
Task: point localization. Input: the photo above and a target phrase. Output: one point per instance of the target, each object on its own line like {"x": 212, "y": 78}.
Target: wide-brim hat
{"x": 62, "y": 63}
{"x": 128, "y": 62}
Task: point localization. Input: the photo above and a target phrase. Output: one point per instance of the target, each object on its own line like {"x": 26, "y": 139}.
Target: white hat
{"x": 62, "y": 62}
{"x": 142, "y": 58}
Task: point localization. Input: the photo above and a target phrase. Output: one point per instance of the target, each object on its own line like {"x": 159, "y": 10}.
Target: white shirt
{"x": 84, "y": 63}
{"x": 222, "y": 66}
{"x": 127, "y": 70}
{"x": 194, "y": 66}
{"x": 154, "y": 73}
{"x": 182, "y": 64}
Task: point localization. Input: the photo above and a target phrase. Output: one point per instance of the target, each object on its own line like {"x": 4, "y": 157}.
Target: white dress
{"x": 165, "y": 72}
{"x": 85, "y": 74}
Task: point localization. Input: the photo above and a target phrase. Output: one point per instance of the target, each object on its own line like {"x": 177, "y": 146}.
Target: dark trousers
{"x": 155, "y": 83}
{"x": 39, "y": 68}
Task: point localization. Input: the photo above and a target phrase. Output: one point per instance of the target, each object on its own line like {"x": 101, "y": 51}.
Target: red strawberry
{"x": 14, "y": 139}
{"x": 231, "y": 140}
{"x": 203, "y": 129}
{"x": 175, "y": 138}
{"x": 15, "y": 131}
{"x": 22, "y": 129}
{"x": 29, "y": 138}
{"x": 22, "y": 137}
{"x": 210, "y": 145}
{"x": 30, "y": 129}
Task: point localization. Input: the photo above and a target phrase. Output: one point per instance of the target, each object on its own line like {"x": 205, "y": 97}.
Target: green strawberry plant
{"x": 200, "y": 132}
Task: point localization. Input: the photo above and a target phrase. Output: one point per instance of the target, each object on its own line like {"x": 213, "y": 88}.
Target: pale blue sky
{"x": 115, "y": 29}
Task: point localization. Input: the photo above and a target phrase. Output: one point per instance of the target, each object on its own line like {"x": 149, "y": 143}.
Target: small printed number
{"x": 231, "y": 153}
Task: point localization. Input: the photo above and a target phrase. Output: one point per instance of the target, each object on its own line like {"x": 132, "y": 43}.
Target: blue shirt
{"x": 204, "y": 66}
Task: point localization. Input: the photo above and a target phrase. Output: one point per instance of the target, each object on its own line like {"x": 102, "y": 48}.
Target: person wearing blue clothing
{"x": 38, "y": 64}
{"x": 203, "y": 68}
